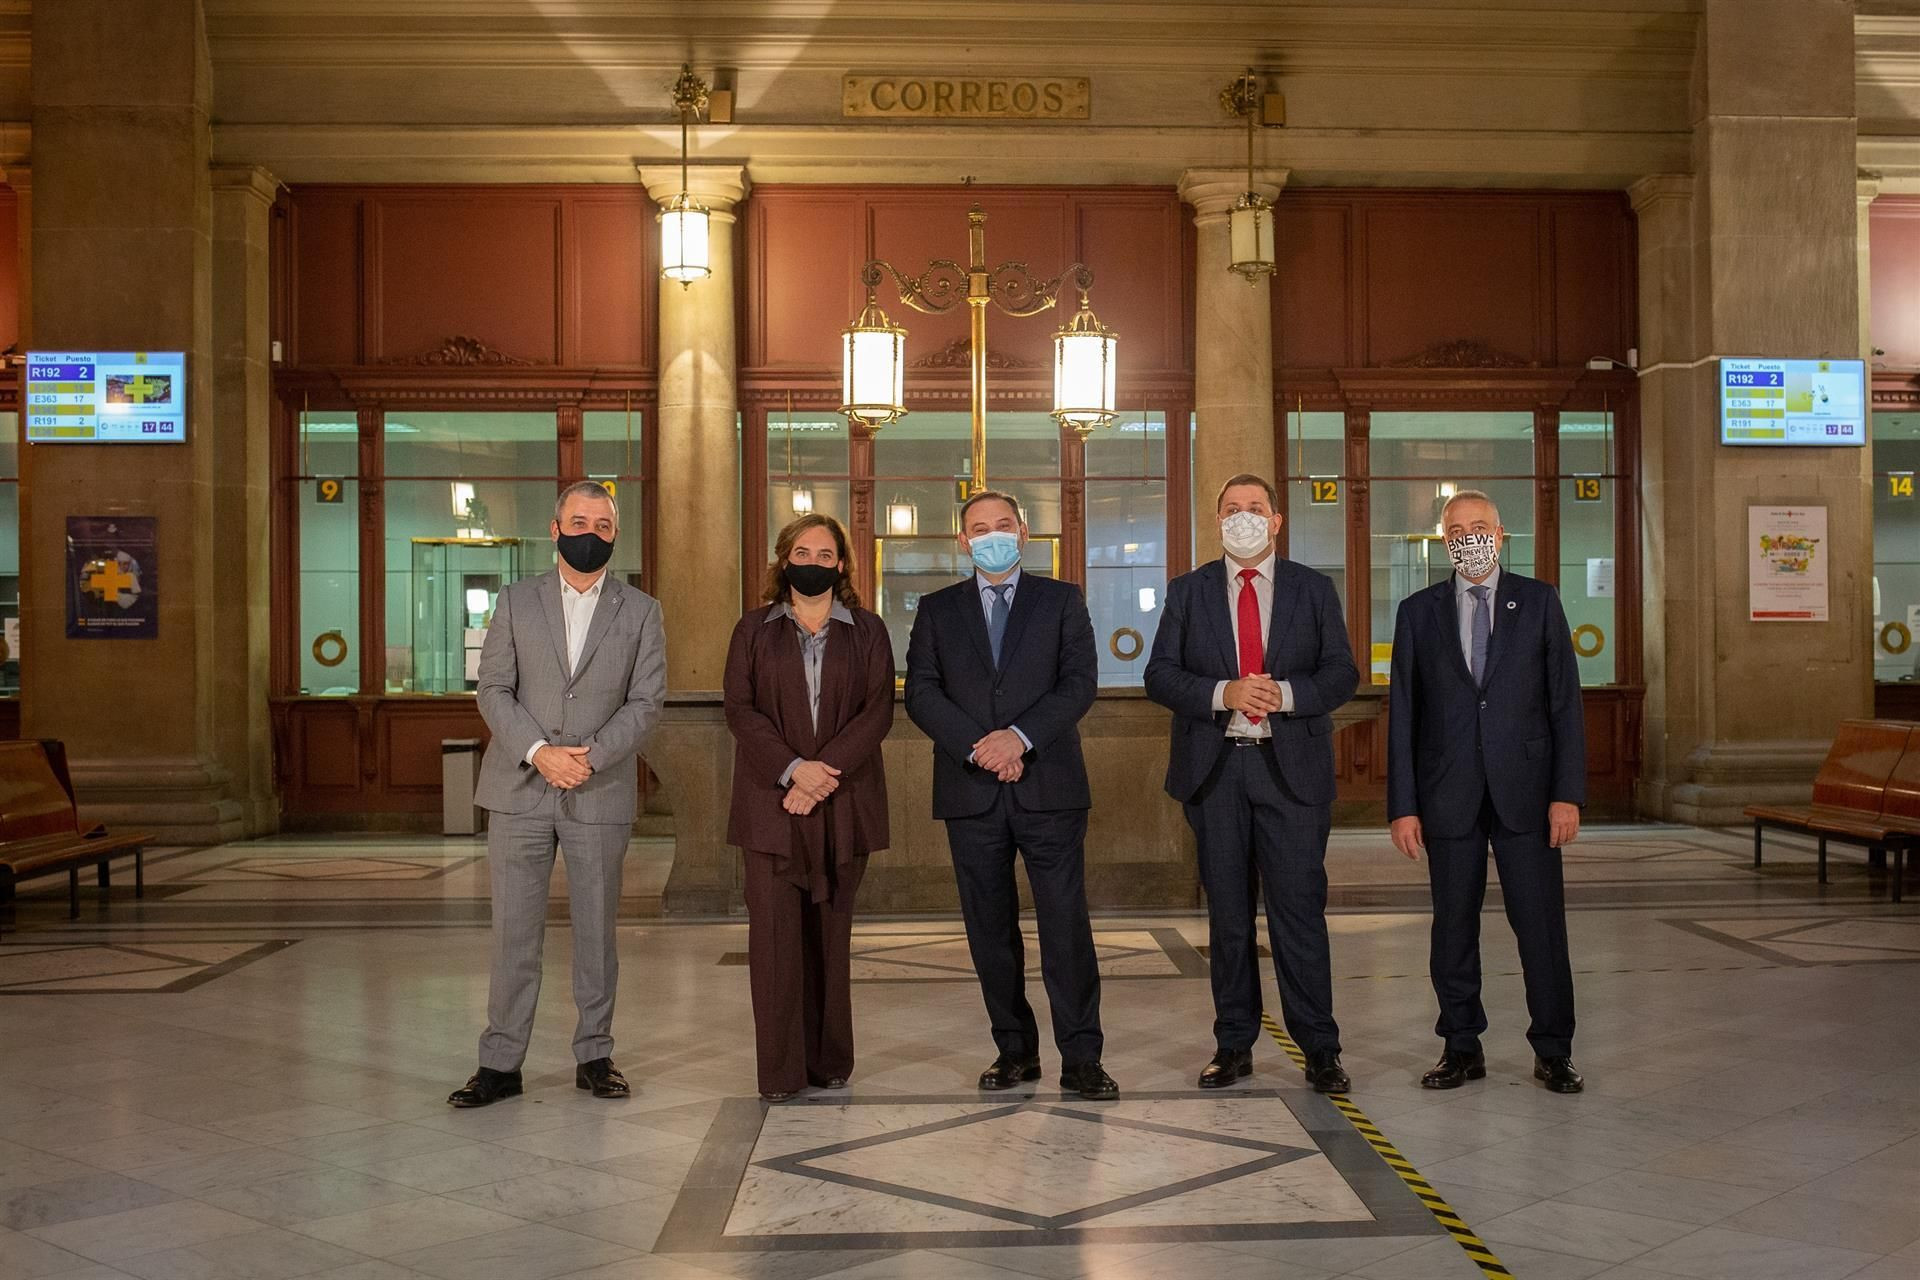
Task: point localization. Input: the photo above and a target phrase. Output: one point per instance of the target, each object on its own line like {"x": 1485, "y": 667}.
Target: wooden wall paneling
{"x": 1359, "y": 426}
{"x": 1629, "y": 617}
{"x": 1073, "y": 507}
{"x": 283, "y": 661}
{"x": 611, "y": 259}
{"x": 11, "y": 285}
{"x": 1893, "y": 224}
{"x": 471, "y": 265}
{"x": 1131, "y": 242}
{"x": 1441, "y": 270}
{"x": 373, "y": 554}
{"x": 409, "y": 732}
{"x": 1312, "y": 311}
{"x": 1546, "y": 495}
{"x": 1589, "y": 316}
{"x": 806, "y": 252}
{"x": 569, "y": 443}
{"x": 326, "y": 746}
{"x": 325, "y": 280}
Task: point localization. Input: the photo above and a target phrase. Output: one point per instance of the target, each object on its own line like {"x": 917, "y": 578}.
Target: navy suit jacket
{"x": 1519, "y": 735}
{"x": 1197, "y": 646}
{"x": 1044, "y": 684}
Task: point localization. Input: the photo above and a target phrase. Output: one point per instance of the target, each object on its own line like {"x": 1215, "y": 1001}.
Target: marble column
{"x": 243, "y": 485}
{"x": 122, "y": 260}
{"x": 1233, "y": 348}
{"x": 699, "y": 439}
{"x": 1731, "y": 268}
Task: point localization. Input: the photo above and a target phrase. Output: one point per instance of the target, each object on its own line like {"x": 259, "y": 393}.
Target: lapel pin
{"x": 1513, "y": 604}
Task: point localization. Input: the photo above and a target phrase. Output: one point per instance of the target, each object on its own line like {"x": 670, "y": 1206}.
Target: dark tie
{"x": 1482, "y": 631}
{"x": 1253, "y": 659}
{"x": 997, "y": 617}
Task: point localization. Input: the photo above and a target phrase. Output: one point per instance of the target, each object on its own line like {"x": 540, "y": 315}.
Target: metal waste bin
{"x": 459, "y": 772}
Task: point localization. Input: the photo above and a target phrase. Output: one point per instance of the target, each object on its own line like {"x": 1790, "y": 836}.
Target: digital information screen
{"x": 106, "y": 397}
{"x": 1805, "y": 402}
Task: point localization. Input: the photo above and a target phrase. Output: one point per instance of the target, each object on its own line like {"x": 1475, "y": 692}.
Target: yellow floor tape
{"x": 1443, "y": 1213}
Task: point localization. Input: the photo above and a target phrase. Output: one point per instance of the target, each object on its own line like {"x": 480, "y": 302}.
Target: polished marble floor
{"x": 241, "y": 1076}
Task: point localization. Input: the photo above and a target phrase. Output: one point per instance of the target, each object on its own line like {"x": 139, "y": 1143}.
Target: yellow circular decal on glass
{"x": 1895, "y": 638}
{"x": 329, "y": 648}
{"x": 1589, "y": 640}
{"x": 1135, "y": 644}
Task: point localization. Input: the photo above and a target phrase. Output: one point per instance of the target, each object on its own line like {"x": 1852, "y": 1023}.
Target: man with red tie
{"x": 1252, "y": 657}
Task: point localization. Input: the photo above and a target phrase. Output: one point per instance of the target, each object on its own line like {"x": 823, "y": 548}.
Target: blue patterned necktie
{"x": 997, "y": 617}
{"x": 1482, "y": 631}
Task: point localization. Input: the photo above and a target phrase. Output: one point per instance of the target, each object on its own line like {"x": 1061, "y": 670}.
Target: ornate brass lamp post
{"x": 874, "y": 348}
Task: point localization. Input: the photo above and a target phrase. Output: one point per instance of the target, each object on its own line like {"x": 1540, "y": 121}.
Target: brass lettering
{"x": 966, "y": 97}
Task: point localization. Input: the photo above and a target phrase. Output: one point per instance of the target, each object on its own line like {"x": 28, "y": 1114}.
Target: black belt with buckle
{"x": 1239, "y": 741}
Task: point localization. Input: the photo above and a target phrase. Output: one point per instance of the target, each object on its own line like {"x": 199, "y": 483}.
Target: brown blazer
{"x": 768, "y": 714}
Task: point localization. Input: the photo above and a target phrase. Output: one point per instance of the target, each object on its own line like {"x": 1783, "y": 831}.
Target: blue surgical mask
{"x": 995, "y": 552}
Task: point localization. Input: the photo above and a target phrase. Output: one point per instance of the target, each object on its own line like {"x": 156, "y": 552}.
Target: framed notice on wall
{"x": 113, "y": 578}
{"x": 1787, "y": 553}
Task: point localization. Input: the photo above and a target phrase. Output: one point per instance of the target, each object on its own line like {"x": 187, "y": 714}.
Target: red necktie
{"x": 1253, "y": 657}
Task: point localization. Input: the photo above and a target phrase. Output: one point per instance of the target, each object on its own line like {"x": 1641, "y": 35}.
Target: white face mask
{"x": 1474, "y": 554}
{"x": 1245, "y": 534}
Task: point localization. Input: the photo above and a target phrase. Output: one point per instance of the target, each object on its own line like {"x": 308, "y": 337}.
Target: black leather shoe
{"x": 1008, "y": 1071}
{"x": 602, "y": 1077}
{"x": 1090, "y": 1081}
{"x": 1559, "y": 1075}
{"x": 1455, "y": 1069}
{"x": 1227, "y": 1067}
{"x": 1326, "y": 1075}
{"x": 486, "y": 1086}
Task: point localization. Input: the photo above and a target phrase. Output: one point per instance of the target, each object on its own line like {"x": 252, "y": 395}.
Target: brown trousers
{"x": 798, "y": 968}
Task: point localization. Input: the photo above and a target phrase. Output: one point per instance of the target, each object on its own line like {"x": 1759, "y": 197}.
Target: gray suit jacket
{"x": 610, "y": 704}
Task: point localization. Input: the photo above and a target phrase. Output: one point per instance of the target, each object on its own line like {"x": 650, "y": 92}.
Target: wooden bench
{"x": 1850, "y": 796}
{"x": 40, "y": 831}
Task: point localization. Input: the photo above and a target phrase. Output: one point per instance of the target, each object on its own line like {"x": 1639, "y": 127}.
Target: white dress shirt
{"x": 1463, "y": 609}
{"x": 1240, "y": 726}
{"x": 576, "y": 611}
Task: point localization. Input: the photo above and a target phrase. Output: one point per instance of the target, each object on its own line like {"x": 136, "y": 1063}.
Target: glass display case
{"x": 912, "y": 565}
{"x": 455, "y": 583}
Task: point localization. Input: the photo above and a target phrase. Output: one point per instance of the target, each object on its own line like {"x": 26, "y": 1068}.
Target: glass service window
{"x": 327, "y": 496}
{"x": 1896, "y": 546}
{"x": 1418, "y": 461}
{"x": 806, "y": 472}
{"x": 469, "y": 507}
{"x": 1126, "y": 542}
{"x": 610, "y": 448}
{"x": 1589, "y": 492}
{"x": 1317, "y": 495}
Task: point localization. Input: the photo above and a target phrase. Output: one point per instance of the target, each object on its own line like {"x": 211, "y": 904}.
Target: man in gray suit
{"x": 571, "y": 678}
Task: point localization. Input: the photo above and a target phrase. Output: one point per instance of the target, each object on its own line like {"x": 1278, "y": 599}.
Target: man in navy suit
{"x": 1252, "y": 656}
{"x": 1000, "y": 668}
{"x": 1486, "y": 745}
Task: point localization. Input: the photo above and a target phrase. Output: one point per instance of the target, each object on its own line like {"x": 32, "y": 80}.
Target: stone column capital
{"x": 1212, "y": 192}
{"x": 1866, "y": 186}
{"x": 247, "y": 179}
{"x": 718, "y": 186}
{"x": 1660, "y": 186}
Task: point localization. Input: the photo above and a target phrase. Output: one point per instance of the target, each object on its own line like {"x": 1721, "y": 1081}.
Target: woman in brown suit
{"x": 809, "y": 697}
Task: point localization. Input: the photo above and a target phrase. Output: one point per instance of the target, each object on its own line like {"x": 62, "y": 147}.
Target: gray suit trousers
{"x": 520, "y": 849}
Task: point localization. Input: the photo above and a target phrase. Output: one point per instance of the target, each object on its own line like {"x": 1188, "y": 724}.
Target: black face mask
{"x": 811, "y": 579}
{"x": 584, "y": 552}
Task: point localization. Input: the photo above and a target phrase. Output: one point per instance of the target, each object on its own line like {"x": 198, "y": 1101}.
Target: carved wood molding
{"x": 958, "y": 354}
{"x": 1462, "y": 353}
{"x": 459, "y": 351}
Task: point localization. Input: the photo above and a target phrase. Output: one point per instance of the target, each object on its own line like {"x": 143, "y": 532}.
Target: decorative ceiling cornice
{"x": 459, "y": 352}
{"x": 1462, "y": 353}
{"x": 958, "y": 354}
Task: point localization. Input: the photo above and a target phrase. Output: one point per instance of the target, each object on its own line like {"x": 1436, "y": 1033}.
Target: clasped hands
{"x": 1563, "y": 828}
{"x": 563, "y": 767}
{"x": 1255, "y": 695}
{"x": 1001, "y": 754}
{"x": 812, "y": 782}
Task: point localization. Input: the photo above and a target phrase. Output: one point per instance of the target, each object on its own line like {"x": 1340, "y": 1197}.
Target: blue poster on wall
{"x": 113, "y": 578}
